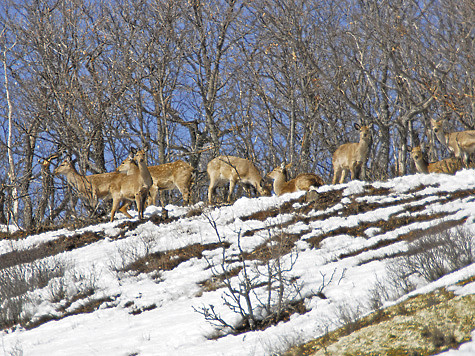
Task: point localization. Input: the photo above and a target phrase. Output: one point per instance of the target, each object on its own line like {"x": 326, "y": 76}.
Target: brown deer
{"x": 461, "y": 143}
{"x": 303, "y": 182}
{"x": 448, "y": 165}
{"x": 350, "y": 157}
{"x": 224, "y": 169}
{"x": 169, "y": 176}
{"x": 91, "y": 187}
{"x": 132, "y": 186}
{"x": 78, "y": 181}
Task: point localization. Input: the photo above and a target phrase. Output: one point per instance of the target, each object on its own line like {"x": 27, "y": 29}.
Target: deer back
{"x": 449, "y": 166}
{"x": 170, "y": 175}
{"x": 234, "y": 168}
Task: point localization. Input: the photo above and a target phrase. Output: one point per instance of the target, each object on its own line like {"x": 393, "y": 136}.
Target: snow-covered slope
{"x": 342, "y": 237}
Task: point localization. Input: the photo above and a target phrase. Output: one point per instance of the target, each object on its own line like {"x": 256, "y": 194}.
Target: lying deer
{"x": 461, "y": 143}
{"x": 350, "y": 157}
{"x": 132, "y": 186}
{"x": 448, "y": 165}
{"x": 169, "y": 176}
{"x": 224, "y": 169}
{"x": 303, "y": 182}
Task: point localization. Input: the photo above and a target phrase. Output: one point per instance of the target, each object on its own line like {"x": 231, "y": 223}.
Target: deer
{"x": 131, "y": 185}
{"x": 448, "y": 165}
{"x": 461, "y": 143}
{"x": 303, "y": 182}
{"x": 223, "y": 169}
{"x": 92, "y": 187}
{"x": 352, "y": 156}
{"x": 78, "y": 181}
{"x": 169, "y": 176}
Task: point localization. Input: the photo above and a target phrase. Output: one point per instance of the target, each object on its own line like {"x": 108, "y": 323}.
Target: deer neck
{"x": 145, "y": 174}
{"x": 363, "y": 149}
{"x": 279, "y": 182}
{"x": 75, "y": 179}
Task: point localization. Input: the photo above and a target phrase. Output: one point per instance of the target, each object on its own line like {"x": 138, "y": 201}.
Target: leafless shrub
{"x": 398, "y": 283}
{"x": 262, "y": 293}
{"x": 283, "y": 343}
{"x": 73, "y": 285}
{"x": 439, "y": 338}
{"x": 15, "y": 350}
{"x": 17, "y": 281}
{"x": 430, "y": 257}
{"x": 86, "y": 281}
{"x": 348, "y": 315}
{"x": 433, "y": 256}
{"x": 57, "y": 290}
{"x": 20, "y": 279}
{"x": 129, "y": 253}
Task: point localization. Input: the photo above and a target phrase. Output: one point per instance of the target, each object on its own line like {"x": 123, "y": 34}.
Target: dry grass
{"x": 168, "y": 260}
{"x": 423, "y": 325}
{"x": 50, "y": 248}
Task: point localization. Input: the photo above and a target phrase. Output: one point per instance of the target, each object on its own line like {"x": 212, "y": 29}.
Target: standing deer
{"x": 461, "y": 143}
{"x": 448, "y": 165}
{"x": 303, "y": 182}
{"x": 133, "y": 186}
{"x": 224, "y": 169}
{"x": 92, "y": 187}
{"x": 78, "y": 181}
{"x": 169, "y": 176}
{"x": 350, "y": 157}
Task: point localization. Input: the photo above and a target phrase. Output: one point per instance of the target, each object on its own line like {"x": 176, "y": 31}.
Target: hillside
{"x": 144, "y": 287}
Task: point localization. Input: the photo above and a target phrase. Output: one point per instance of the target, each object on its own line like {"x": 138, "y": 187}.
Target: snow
{"x": 172, "y": 327}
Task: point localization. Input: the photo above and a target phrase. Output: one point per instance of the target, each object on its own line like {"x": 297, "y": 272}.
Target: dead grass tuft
{"x": 216, "y": 282}
{"x": 284, "y": 242}
{"x": 283, "y": 209}
{"x": 168, "y": 260}
{"x": 291, "y": 309}
{"x": 50, "y": 248}
{"x": 89, "y": 306}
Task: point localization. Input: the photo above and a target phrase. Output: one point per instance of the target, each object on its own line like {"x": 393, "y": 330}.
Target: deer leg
{"x": 336, "y": 175}
{"x": 124, "y": 208}
{"x": 232, "y": 184}
{"x": 138, "y": 201}
{"x": 115, "y": 205}
{"x": 185, "y": 193}
{"x": 343, "y": 174}
{"x": 152, "y": 196}
{"x": 211, "y": 188}
{"x": 144, "y": 196}
{"x": 465, "y": 159}
{"x": 355, "y": 170}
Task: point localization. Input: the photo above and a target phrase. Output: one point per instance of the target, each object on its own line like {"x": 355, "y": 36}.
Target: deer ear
{"x": 357, "y": 126}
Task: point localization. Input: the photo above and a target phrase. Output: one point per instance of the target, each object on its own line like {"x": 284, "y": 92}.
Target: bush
{"x": 17, "y": 281}
{"x": 263, "y": 292}
{"x": 433, "y": 256}
{"x": 430, "y": 258}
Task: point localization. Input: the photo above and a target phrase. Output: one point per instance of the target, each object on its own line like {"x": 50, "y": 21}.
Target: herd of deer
{"x": 134, "y": 181}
